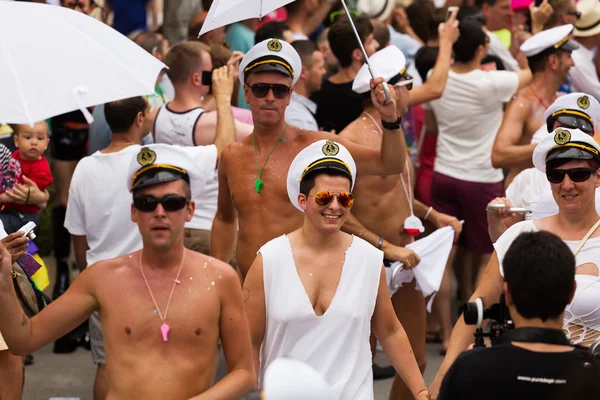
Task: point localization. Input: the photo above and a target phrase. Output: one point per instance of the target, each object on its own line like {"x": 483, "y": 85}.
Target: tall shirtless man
{"x": 386, "y": 202}
{"x": 163, "y": 309}
{"x": 258, "y": 198}
{"x": 549, "y": 57}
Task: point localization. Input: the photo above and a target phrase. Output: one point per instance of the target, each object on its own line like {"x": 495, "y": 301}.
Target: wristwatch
{"x": 392, "y": 126}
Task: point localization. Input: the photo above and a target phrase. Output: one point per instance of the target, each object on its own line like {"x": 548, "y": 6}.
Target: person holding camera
{"x": 570, "y": 159}
{"x": 536, "y": 359}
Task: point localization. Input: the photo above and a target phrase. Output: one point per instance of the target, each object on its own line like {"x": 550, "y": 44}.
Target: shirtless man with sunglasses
{"x": 163, "y": 309}
{"x": 314, "y": 294}
{"x": 252, "y": 171}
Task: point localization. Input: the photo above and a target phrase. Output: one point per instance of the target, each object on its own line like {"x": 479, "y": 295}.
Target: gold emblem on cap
{"x": 146, "y": 157}
{"x": 583, "y": 102}
{"x": 330, "y": 148}
{"x": 561, "y": 136}
{"x": 274, "y": 45}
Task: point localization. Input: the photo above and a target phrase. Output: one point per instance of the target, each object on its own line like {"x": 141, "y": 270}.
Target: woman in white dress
{"x": 571, "y": 160}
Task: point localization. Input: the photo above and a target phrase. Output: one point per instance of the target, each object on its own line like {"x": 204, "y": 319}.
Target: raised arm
{"x": 235, "y": 336}
{"x": 434, "y": 86}
{"x": 391, "y": 158}
{"x": 222, "y": 89}
{"x": 489, "y": 291}
{"x": 392, "y": 337}
{"x": 254, "y": 298}
{"x": 24, "y": 335}
{"x": 507, "y": 152}
{"x": 224, "y": 228}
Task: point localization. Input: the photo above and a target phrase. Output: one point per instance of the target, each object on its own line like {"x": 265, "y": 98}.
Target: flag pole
{"x": 362, "y": 48}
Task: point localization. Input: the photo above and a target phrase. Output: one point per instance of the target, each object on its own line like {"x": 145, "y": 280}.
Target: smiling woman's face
{"x": 572, "y": 197}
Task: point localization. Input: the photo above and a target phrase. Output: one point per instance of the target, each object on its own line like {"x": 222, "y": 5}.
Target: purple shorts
{"x": 467, "y": 201}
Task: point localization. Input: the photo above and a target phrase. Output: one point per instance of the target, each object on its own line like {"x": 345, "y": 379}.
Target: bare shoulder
{"x": 308, "y": 137}
{"x": 216, "y": 270}
{"x": 521, "y": 102}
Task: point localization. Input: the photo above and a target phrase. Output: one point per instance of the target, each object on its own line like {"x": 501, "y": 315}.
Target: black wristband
{"x": 392, "y": 126}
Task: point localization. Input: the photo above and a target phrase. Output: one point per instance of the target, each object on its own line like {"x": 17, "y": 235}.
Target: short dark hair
{"x": 539, "y": 269}
{"x": 305, "y": 49}
{"x": 425, "y": 60}
{"x": 120, "y": 114}
{"x": 271, "y": 30}
{"x": 480, "y": 3}
{"x": 381, "y": 33}
{"x": 184, "y": 59}
{"x": 308, "y": 182}
{"x": 421, "y": 15}
{"x": 538, "y": 62}
{"x": 471, "y": 37}
{"x": 342, "y": 39}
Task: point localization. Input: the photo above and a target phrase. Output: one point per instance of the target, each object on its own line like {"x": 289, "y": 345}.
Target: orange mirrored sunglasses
{"x": 324, "y": 197}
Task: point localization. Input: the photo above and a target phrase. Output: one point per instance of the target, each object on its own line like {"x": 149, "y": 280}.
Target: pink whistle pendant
{"x": 164, "y": 330}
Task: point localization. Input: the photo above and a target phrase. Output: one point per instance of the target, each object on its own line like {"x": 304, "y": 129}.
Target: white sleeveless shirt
{"x": 337, "y": 343}
{"x": 582, "y": 316}
{"x": 172, "y": 127}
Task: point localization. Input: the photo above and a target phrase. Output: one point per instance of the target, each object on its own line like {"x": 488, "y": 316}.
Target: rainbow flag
{"x": 34, "y": 266}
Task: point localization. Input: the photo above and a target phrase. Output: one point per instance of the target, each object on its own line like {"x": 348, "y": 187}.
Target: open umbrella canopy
{"x": 54, "y": 60}
{"x": 225, "y": 12}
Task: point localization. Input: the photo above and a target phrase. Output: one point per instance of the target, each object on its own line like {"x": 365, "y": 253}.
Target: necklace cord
{"x": 172, "y": 289}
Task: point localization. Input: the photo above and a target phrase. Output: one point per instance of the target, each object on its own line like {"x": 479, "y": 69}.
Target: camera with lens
{"x": 498, "y": 315}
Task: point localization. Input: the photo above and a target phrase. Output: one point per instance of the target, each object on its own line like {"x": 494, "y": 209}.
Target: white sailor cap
{"x": 550, "y": 39}
{"x": 162, "y": 163}
{"x": 271, "y": 55}
{"x": 323, "y": 154}
{"x": 289, "y": 379}
{"x": 388, "y": 63}
{"x": 583, "y": 107}
{"x": 376, "y": 9}
{"x": 565, "y": 143}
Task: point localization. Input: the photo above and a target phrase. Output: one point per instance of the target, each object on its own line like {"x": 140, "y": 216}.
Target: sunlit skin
{"x": 317, "y": 216}
{"x": 32, "y": 141}
{"x": 269, "y": 109}
{"x": 160, "y": 229}
{"x": 573, "y": 196}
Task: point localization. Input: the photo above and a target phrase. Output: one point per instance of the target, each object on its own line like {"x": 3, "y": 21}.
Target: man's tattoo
{"x": 24, "y": 320}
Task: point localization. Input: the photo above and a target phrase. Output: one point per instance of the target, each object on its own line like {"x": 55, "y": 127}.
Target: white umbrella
{"x": 55, "y": 60}
{"x": 225, "y": 12}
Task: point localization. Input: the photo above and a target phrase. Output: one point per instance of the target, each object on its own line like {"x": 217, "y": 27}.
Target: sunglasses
{"x": 406, "y": 80}
{"x": 170, "y": 202}
{"x": 570, "y": 121}
{"x": 575, "y": 174}
{"x": 261, "y": 90}
{"x": 324, "y": 198}
{"x": 576, "y": 14}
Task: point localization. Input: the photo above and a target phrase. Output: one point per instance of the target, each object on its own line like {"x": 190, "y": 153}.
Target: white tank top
{"x": 172, "y": 127}
{"x": 178, "y": 128}
{"x": 582, "y": 316}
{"x": 337, "y": 343}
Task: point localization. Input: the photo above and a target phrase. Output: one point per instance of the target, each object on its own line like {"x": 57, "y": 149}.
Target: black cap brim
{"x": 157, "y": 176}
{"x": 270, "y": 68}
{"x": 569, "y": 46}
{"x": 572, "y": 153}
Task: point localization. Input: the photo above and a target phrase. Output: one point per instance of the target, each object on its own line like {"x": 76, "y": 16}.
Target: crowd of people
{"x": 255, "y": 204}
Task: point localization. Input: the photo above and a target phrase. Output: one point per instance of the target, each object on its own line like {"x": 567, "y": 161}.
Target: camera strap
{"x": 535, "y": 335}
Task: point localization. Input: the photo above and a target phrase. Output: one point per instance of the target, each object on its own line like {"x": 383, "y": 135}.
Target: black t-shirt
{"x": 509, "y": 372}
{"x": 337, "y": 105}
